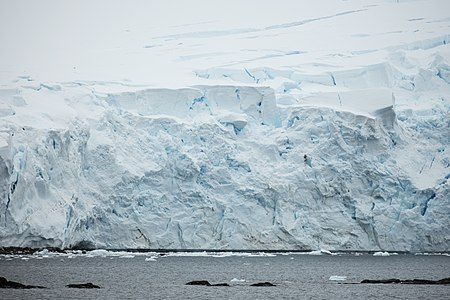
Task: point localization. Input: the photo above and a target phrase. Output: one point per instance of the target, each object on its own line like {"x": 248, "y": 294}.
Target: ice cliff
{"x": 262, "y": 152}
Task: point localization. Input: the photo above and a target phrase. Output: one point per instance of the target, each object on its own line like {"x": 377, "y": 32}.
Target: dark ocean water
{"x": 296, "y": 277}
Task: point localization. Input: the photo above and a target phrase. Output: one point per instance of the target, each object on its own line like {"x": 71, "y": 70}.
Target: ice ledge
{"x": 230, "y": 104}
{"x": 373, "y": 103}
{"x": 258, "y": 103}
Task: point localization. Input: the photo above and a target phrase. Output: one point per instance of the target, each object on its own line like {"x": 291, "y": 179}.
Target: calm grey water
{"x": 296, "y": 277}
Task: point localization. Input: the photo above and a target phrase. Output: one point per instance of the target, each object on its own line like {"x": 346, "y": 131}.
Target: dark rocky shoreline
{"x": 28, "y": 250}
{"x": 88, "y": 285}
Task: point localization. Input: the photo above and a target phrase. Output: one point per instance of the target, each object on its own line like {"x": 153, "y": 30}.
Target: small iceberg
{"x": 150, "y": 258}
{"x": 44, "y": 253}
{"x": 320, "y": 252}
{"x": 338, "y": 278}
{"x": 236, "y": 280}
{"x": 381, "y": 253}
{"x": 99, "y": 253}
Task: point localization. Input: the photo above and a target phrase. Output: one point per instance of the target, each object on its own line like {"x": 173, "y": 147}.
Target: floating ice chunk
{"x": 221, "y": 254}
{"x": 99, "y": 252}
{"x": 188, "y": 254}
{"x": 338, "y": 278}
{"x": 153, "y": 258}
{"x": 260, "y": 254}
{"x": 320, "y": 252}
{"x": 127, "y": 256}
{"x": 435, "y": 253}
{"x": 237, "y": 281}
{"x": 381, "y": 254}
{"x": 42, "y": 252}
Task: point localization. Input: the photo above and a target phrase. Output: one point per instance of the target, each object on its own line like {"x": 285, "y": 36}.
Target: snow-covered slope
{"x": 192, "y": 124}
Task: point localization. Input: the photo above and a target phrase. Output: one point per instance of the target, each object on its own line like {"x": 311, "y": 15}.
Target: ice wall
{"x": 214, "y": 167}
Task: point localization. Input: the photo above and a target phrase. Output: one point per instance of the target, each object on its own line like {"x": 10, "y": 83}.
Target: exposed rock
{"x": 263, "y": 284}
{"x": 419, "y": 281}
{"x": 199, "y": 282}
{"x": 5, "y": 284}
{"x": 220, "y": 284}
{"x": 88, "y": 285}
{"x": 392, "y": 280}
{"x": 407, "y": 281}
{"x": 16, "y": 250}
{"x": 83, "y": 245}
{"x": 444, "y": 281}
{"x": 205, "y": 282}
{"x": 27, "y": 250}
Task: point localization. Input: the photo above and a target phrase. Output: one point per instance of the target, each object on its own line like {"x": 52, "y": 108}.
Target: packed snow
{"x": 296, "y": 125}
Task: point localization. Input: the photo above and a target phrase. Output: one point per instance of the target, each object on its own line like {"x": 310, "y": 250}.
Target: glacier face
{"x": 227, "y": 169}
{"x": 246, "y": 153}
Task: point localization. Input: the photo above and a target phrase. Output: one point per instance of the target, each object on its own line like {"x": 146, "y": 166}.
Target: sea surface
{"x": 297, "y": 276}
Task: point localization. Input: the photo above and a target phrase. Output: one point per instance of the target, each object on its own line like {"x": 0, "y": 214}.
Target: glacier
{"x": 230, "y": 133}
